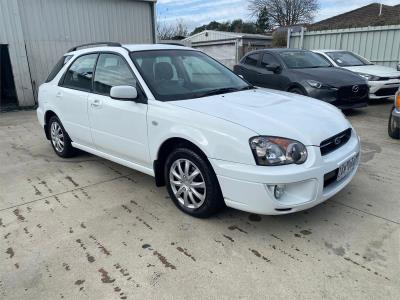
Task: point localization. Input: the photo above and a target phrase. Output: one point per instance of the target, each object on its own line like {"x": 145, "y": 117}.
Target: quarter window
{"x": 57, "y": 68}
{"x": 112, "y": 70}
{"x": 252, "y": 59}
{"x": 79, "y": 75}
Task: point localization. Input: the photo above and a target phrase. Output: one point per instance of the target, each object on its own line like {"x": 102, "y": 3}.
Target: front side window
{"x": 303, "y": 60}
{"x": 184, "y": 74}
{"x": 80, "y": 73}
{"x": 252, "y": 59}
{"x": 269, "y": 59}
{"x": 112, "y": 70}
{"x": 347, "y": 59}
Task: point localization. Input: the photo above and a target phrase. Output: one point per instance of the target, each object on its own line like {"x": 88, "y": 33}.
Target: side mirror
{"x": 273, "y": 68}
{"x": 124, "y": 93}
{"x": 398, "y": 67}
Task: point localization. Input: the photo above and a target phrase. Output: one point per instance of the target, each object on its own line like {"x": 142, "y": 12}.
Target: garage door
{"x": 225, "y": 53}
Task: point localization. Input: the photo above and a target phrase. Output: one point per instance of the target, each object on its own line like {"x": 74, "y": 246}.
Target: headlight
{"x": 275, "y": 151}
{"x": 369, "y": 77}
{"x": 315, "y": 84}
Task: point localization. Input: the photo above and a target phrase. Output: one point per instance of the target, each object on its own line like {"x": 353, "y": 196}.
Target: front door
{"x": 267, "y": 78}
{"x": 119, "y": 128}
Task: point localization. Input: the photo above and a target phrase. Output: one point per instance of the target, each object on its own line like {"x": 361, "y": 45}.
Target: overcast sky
{"x": 198, "y": 12}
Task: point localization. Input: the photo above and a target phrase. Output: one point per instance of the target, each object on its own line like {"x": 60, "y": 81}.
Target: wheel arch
{"x": 47, "y": 116}
{"x": 296, "y": 85}
{"x": 166, "y": 148}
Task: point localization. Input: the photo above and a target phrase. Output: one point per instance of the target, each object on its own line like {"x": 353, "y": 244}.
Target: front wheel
{"x": 393, "y": 127}
{"x": 297, "y": 91}
{"x": 192, "y": 184}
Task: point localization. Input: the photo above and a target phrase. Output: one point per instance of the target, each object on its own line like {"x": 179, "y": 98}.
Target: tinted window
{"x": 348, "y": 59}
{"x": 79, "y": 75}
{"x": 252, "y": 59}
{"x": 269, "y": 59}
{"x": 112, "y": 70}
{"x": 303, "y": 60}
{"x": 57, "y": 68}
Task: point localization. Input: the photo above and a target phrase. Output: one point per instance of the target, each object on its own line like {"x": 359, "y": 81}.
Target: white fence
{"x": 380, "y": 45}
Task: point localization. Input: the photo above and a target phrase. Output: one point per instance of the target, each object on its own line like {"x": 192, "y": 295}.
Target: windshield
{"x": 347, "y": 59}
{"x": 185, "y": 74}
{"x": 303, "y": 60}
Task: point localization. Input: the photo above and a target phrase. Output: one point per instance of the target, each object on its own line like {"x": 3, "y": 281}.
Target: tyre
{"x": 59, "y": 138}
{"x": 393, "y": 127}
{"x": 297, "y": 91}
{"x": 192, "y": 184}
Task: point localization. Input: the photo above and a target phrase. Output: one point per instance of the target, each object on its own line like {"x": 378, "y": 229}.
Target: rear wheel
{"x": 393, "y": 127}
{"x": 192, "y": 184}
{"x": 59, "y": 138}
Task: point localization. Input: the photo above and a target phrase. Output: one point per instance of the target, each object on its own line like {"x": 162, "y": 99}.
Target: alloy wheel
{"x": 57, "y": 137}
{"x": 187, "y": 183}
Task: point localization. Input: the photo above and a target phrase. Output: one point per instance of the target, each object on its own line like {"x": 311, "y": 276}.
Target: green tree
{"x": 263, "y": 24}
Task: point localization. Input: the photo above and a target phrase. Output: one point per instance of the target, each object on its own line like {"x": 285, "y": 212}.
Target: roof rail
{"x": 109, "y": 44}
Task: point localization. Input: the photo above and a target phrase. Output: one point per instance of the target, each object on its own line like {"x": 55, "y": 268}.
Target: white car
{"x": 383, "y": 81}
{"x": 214, "y": 140}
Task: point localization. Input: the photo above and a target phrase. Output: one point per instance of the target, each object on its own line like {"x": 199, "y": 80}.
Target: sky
{"x": 199, "y": 12}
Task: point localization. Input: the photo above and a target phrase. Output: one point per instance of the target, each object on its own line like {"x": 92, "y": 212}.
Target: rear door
{"x": 119, "y": 128}
{"x": 72, "y": 99}
{"x": 248, "y": 68}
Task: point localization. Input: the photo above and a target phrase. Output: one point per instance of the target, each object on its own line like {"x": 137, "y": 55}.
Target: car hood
{"x": 335, "y": 77}
{"x": 273, "y": 113}
{"x": 375, "y": 70}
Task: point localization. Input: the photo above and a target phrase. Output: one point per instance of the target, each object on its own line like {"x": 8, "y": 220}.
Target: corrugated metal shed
{"x": 38, "y": 32}
{"x": 380, "y": 44}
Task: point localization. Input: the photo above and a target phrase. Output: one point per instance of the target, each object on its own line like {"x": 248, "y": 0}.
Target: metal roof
{"x": 210, "y": 35}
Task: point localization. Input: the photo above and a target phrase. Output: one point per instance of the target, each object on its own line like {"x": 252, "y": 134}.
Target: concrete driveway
{"x": 89, "y": 228}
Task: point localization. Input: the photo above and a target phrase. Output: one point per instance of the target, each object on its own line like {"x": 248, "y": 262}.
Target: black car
{"x": 306, "y": 73}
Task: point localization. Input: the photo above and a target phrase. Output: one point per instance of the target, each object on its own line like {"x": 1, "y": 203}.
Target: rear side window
{"x": 57, "y": 68}
{"x": 269, "y": 59}
{"x": 252, "y": 59}
{"x": 112, "y": 70}
{"x": 80, "y": 73}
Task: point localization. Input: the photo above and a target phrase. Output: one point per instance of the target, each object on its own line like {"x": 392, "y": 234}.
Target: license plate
{"x": 347, "y": 167}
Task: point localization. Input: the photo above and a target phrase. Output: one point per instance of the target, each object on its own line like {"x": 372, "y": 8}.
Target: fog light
{"x": 279, "y": 190}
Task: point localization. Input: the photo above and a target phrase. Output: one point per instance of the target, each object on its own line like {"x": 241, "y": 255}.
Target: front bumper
{"x": 340, "y": 99}
{"x": 248, "y": 187}
{"x": 383, "y": 89}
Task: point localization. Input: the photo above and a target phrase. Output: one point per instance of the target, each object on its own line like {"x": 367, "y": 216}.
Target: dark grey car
{"x": 304, "y": 72}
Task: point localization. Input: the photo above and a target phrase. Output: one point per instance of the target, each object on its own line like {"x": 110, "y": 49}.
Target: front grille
{"x": 353, "y": 92}
{"x": 335, "y": 142}
{"x": 388, "y": 78}
{"x": 386, "y": 92}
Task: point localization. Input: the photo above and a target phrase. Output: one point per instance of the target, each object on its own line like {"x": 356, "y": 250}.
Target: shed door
{"x": 225, "y": 53}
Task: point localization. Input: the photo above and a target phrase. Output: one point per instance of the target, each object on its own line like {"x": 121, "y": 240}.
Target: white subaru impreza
{"x": 213, "y": 139}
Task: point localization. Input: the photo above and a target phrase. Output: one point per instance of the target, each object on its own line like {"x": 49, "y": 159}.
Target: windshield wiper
{"x": 219, "y": 91}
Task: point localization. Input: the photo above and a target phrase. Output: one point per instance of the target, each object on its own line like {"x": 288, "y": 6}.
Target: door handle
{"x": 259, "y": 74}
{"x": 96, "y": 103}
{"x": 59, "y": 95}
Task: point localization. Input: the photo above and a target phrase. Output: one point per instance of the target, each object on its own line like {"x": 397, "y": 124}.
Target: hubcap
{"x": 57, "y": 137}
{"x": 187, "y": 183}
